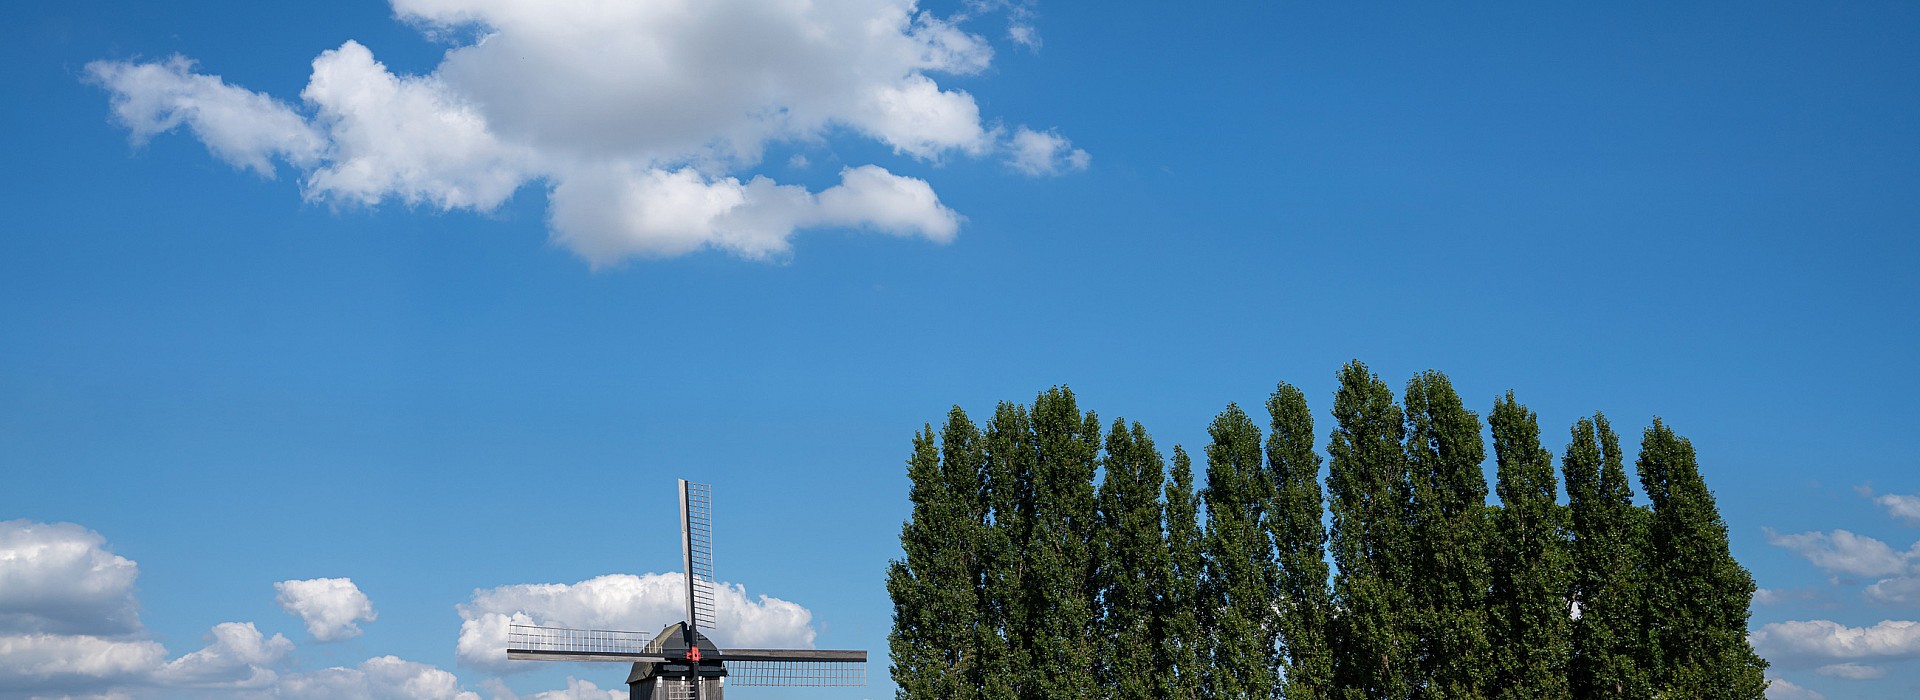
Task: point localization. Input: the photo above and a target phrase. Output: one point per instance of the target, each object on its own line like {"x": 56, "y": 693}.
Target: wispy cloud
{"x": 1811, "y": 642}
{"x": 1782, "y": 689}
{"x": 1852, "y": 671}
{"x": 1843, "y": 552}
{"x": 1905, "y": 508}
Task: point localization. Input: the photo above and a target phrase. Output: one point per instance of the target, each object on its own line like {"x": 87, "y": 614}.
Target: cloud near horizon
{"x": 640, "y": 118}
{"x": 644, "y": 603}
{"x": 70, "y": 631}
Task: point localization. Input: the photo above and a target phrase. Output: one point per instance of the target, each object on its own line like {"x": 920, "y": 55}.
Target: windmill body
{"x": 680, "y": 663}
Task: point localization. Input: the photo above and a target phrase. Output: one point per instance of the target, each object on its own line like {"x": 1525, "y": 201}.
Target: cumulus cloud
{"x": 1842, "y": 552}
{"x": 238, "y": 656}
{"x": 1906, "y": 508}
{"x": 1782, "y": 689}
{"x": 619, "y": 213}
{"x": 68, "y": 630}
{"x": 1045, "y": 153}
{"x": 58, "y": 662}
{"x": 640, "y": 118}
{"x": 379, "y": 678}
{"x": 1805, "y": 642}
{"x": 576, "y": 690}
{"x": 59, "y": 578}
{"x": 644, "y": 603}
{"x": 328, "y": 606}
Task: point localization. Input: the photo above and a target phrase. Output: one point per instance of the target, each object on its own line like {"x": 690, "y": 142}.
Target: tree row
{"x": 1023, "y": 579}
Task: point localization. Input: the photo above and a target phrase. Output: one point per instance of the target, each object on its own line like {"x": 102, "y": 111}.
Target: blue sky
{"x": 437, "y": 372}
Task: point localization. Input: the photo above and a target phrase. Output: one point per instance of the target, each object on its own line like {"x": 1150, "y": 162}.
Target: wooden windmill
{"x": 680, "y": 663}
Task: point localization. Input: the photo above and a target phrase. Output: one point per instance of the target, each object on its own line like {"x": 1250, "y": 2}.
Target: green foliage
{"x": 1005, "y": 633}
{"x": 935, "y": 590}
{"x": 1299, "y": 542}
{"x": 1610, "y": 656}
{"x": 1697, "y": 596}
{"x": 1451, "y": 575}
{"x": 1181, "y": 661}
{"x": 1133, "y": 555}
{"x": 1057, "y": 589}
{"x": 1374, "y": 641}
{"x": 1238, "y": 589}
{"x": 1531, "y": 633}
{"x": 1018, "y": 579}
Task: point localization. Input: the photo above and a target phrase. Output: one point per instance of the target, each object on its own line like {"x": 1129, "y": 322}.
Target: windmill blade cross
{"x": 680, "y": 663}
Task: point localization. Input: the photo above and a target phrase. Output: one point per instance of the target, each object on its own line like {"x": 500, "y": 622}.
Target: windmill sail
{"x": 536, "y": 643}
{"x": 696, "y": 547}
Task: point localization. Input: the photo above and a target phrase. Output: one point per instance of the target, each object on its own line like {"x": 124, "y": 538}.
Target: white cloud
{"x": 576, "y": 690}
{"x": 245, "y": 129}
{"x": 59, "y": 578}
{"x": 1843, "y": 552}
{"x": 379, "y": 678}
{"x": 1898, "y": 590}
{"x": 1044, "y": 153}
{"x": 409, "y": 138}
{"x": 1805, "y": 641}
{"x": 328, "y": 606}
{"x": 74, "y": 662}
{"x": 239, "y": 656}
{"x": 639, "y": 117}
{"x": 78, "y": 637}
{"x": 645, "y": 603}
{"x": 617, "y": 213}
{"x": 1782, "y": 689}
{"x": 1852, "y": 671}
{"x": 1024, "y": 35}
{"x": 1906, "y": 508}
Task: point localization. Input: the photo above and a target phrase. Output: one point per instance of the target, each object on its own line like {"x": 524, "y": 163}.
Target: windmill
{"x": 680, "y": 663}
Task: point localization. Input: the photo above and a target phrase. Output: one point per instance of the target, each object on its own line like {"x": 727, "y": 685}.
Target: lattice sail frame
{"x": 797, "y": 673}
{"x": 696, "y": 549}
{"x": 534, "y": 642}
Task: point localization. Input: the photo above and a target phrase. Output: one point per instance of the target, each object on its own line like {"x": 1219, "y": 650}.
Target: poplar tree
{"x": 935, "y": 589}
{"x": 1698, "y": 596}
{"x": 1240, "y": 572}
{"x": 1373, "y": 641}
{"x": 1451, "y": 573}
{"x": 1006, "y": 635}
{"x": 1058, "y": 588}
{"x": 1132, "y": 557}
{"x": 1177, "y": 628}
{"x": 1300, "y": 547}
{"x": 1531, "y": 630}
{"x": 919, "y": 642}
{"x": 1609, "y": 658}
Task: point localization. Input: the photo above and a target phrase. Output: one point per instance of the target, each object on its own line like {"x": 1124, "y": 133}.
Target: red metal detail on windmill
{"x": 693, "y": 653}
